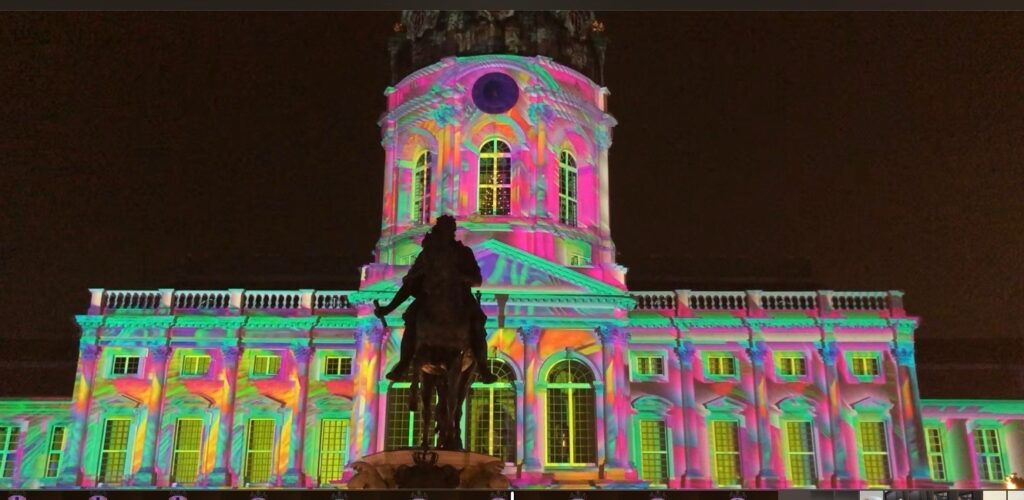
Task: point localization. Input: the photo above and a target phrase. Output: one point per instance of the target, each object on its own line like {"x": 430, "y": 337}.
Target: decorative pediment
{"x": 262, "y": 402}
{"x": 872, "y": 404}
{"x": 332, "y": 403}
{"x": 121, "y": 400}
{"x": 192, "y": 400}
{"x": 724, "y": 404}
{"x": 796, "y": 404}
{"x": 653, "y": 405}
{"x": 508, "y": 269}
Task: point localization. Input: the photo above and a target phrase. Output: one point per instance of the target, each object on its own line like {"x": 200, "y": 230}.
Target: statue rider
{"x": 443, "y": 233}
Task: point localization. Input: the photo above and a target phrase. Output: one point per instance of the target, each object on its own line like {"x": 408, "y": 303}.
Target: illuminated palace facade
{"x": 600, "y": 385}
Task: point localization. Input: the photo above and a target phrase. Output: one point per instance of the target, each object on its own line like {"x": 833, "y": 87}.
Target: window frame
{"x": 779, "y": 358}
{"x": 571, "y": 389}
{"x": 253, "y": 373}
{"x": 706, "y": 357}
{"x": 184, "y": 373}
{"x": 325, "y": 362}
{"x": 343, "y": 451}
{"x": 886, "y": 441}
{"x": 247, "y": 451}
{"x": 635, "y": 375}
{"x": 10, "y": 441}
{"x": 424, "y": 162}
{"x": 495, "y": 186}
{"x": 139, "y": 365}
{"x": 853, "y": 356}
{"x": 176, "y": 452}
{"x": 788, "y": 452}
{"x": 713, "y": 448}
{"x": 101, "y": 473}
{"x": 979, "y": 455}
{"x": 567, "y": 165}
{"x": 940, "y": 431}
{"x": 52, "y": 453}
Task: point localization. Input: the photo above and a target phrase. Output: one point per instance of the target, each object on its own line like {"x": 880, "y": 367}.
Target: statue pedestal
{"x": 418, "y": 468}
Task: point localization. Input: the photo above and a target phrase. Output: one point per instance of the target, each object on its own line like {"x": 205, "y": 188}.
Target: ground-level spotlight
{"x": 258, "y": 495}
{"x": 577, "y": 495}
{"x": 659, "y": 495}
{"x": 16, "y": 496}
{"x": 1014, "y": 482}
{"x": 419, "y": 495}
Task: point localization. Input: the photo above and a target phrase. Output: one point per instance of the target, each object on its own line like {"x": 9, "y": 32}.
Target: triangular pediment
{"x": 508, "y": 269}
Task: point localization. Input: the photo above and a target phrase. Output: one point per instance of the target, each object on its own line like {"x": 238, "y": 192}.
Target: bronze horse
{"x": 443, "y": 359}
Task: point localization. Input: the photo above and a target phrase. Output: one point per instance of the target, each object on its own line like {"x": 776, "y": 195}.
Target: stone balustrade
{"x": 169, "y": 301}
{"x": 757, "y": 302}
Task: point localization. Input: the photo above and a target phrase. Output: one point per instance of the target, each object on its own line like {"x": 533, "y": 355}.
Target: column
{"x": 615, "y": 342}
{"x": 533, "y": 458}
{"x": 294, "y": 475}
{"x": 158, "y": 371}
{"x": 693, "y": 477}
{"x": 72, "y": 473}
{"x": 766, "y": 477}
{"x": 222, "y": 474}
{"x": 910, "y": 411}
{"x": 829, "y": 352}
{"x": 368, "y": 336}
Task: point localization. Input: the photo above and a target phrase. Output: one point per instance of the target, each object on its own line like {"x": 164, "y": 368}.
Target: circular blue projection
{"x": 495, "y": 93}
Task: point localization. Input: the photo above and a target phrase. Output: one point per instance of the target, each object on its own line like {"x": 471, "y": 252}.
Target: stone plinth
{"x": 417, "y": 468}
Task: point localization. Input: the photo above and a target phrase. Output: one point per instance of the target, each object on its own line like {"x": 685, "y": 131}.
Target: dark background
{"x": 847, "y": 151}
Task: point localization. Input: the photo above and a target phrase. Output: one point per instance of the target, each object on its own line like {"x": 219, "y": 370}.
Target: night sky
{"x": 863, "y": 151}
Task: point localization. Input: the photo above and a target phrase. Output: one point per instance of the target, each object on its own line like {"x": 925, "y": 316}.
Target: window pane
{"x": 800, "y": 447}
{"x": 188, "y": 436}
{"x": 558, "y": 426}
{"x": 726, "y": 450}
{"x": 259, "y": 451}
{"x": 875, "y": 453}
{"x": 115, "y": 451}
{"x": 653, "y": 451}
{"x": 8, "y": 450}
{"x": 333, "y": 449}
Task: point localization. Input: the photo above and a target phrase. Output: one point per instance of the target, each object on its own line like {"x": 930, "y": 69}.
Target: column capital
{"x": 613, "y": 334}
{"x": 371, "y": 330}
{"x": 530, "y": 334}
{"x": 828, "y": 350}
{"x": 903, "y": 352}
{"x": 685, "y": 351}
{"x": 302, "y": 353}
{"x": 89, "y": 352}
{"x": 160, "y": 352}
{"x": 232, "y": 353}
{"x": 758, "y": 352}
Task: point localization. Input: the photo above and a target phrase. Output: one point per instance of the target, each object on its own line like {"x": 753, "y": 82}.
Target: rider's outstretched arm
{"x": 403, "y": 293}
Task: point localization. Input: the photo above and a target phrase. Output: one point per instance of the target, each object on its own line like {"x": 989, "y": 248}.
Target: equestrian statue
{"x": 445, "y": 341}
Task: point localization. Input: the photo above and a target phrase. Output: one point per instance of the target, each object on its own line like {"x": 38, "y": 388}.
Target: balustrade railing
{"x": 716, "y": 301}
{"x": 788, "y": 301}
{"x": 655, "y": 301}
{"x": 331, "y": 301}
{"x": 202, "y": 299}
{"x": 271, "y": 299}
{"x": 859, "y": 301}
{"x": 134, "y": 300}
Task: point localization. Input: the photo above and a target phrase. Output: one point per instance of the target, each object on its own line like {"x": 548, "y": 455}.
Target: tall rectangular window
{"x": 8, "y": 450}
{"x": 865, "y": 365}
{"x": 195, "y": 365}
{"x": 335, "y": 366}
{"x": 421, "y": 188}
{"x": 188, "y": 438}
{"x": 653, "y": 451}
{"x": 333, "y": 449}
{"x": 725, "y": 439}
{"x": 114, "y": 454}
{"x": 266, "y": 365}
{"x": 402, "y": 424}
{"x": 875, "y": 452}
{"x": 989, "y": 454}
{"x": 125, "y": 365}
{"x": 491, "y": 415}
{"x": 259, "y": 451}
{"x": 55, "y": 451}
{"x": 495, "y": 178}
{"x": 648, "y": 366}
{"x": 800, "y": 453}
{"x": 567, "y": 202}
{"x": 936, "y": 459}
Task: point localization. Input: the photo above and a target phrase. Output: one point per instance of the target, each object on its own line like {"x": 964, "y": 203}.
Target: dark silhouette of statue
{"x": 440, "y": 242}
{"x": 445, "y": 340}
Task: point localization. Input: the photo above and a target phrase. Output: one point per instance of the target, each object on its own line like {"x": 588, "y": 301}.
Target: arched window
{"x": 491, "y": 414}
{"x": 420, "y": 212}
{"x": 567, "y": 189}
{"x": 495, "y": 182}
{"x": 570, "y": 411}
{"x": 402, "y": 425}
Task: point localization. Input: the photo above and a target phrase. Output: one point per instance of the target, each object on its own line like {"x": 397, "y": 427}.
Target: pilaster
{"x": 758, "y": 352}
{"x": 294, "y": 475}
{"x": 222, "y": 474}
{"x": 532, "y": 458}
{"x": 615, "y": 343}
{"x": 829, "y": 353}
{"x": 73, "y": 473}
{"x": 694, "y": 477}
{"x": 158, "y": 355}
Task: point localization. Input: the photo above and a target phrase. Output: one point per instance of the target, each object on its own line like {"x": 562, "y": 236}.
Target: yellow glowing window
{"x": 726, "y": 450}
{"x": 989, "y": 454}
{"x": 114, "y": 454}
{"x": 335, "y": 366}
{"x": 195, "y": 365}
{"x": 792, "y": 365}
{"x": 333, "y": 449}
{"x": 259, "y": 451}
{"x": 266, "y": 365}
{"x": 653, "y": 451}
{"x": 491, "y": 415}
{"x": 495, "y": 181}
{"x": 421, "y": 188}
{"x": 721, "y": 365}
{"x": 402, "y": 425}
{"x": 125, "y": 365}
{"x": 865, "y": 365}
{"x": 571, "y": 415}
{"x": 875, "y": 452}
{"x": 188, "y": 437}
{"x": 567, "y": 203}
{"x": 936, "y": 459}
{"x": 8, "y": 450}
{"x": 647, "y": 366}
{"x": 55, "y": 452}
{"x": 800, "y": 453}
